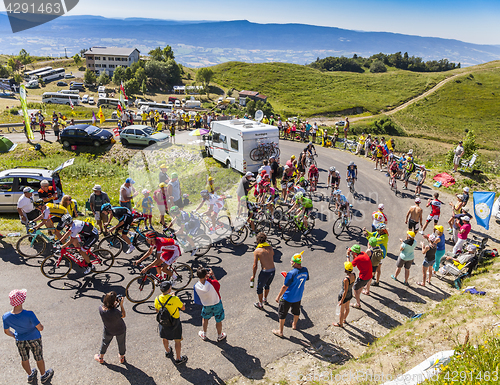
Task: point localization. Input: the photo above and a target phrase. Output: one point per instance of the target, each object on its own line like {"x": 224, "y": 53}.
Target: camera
{"x": 119, "y": 297}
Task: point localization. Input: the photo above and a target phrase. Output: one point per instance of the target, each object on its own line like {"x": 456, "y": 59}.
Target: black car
{"x": 85, "y": 135}
{"x": 61, "y": 84}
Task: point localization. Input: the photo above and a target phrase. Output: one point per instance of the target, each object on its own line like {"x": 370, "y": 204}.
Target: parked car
{"x": 91, "y": 100}
{"x": 69, "y": 76}
{"x": 177, "y": 103}
{"x": 85, "y": 135}
{"x": 141, "y": 135}
{"x": 340, "y": 123}
{"x": 13, "y": 181}
{"x": 62, "y": 84}
{"x": 85, "y": 99}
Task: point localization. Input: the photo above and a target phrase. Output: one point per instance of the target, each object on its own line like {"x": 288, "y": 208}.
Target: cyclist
{"x": 342, "y": 203}
{"x": 310, "y": 148}
{"x": 124, "y": 217}
{"x": 251, "y": 209}
{"x": 313, "y": 176}
{"x": 83, "y": 235}
{"x": 301, "y": 167}
{"x": 47, "y": 218}
{"x": 188, "y": 225}
{"x": 393, "y": 169}
{"x": 214, "y": 203}
{"x": 333, "y": 178}
{"x": 409, "y": 167}
{"x": 352, "y": 173}
{"x": 167, "y": 251}
{"x": 304, "y": 206}
{"x": 303, "y": 183}
{"x": 272, "y": 196}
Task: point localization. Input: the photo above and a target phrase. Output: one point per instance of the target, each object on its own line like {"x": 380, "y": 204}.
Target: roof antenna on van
{"x": 259, "y": 115}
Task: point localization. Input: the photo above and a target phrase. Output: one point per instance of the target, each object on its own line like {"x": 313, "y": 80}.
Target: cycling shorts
{"x": 192, "y": 227}
{"x": 307, "y": 210}
{"x": 170, "y": 256}
{"x": 127, "y": 221}
{"x": 88, "y": 241}
{"x": 351, "y": 174}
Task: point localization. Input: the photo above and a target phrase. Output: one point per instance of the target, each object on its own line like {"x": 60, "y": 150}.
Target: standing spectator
{"x": 346, "y": 127}
{"x": 174, "y": 332}
{"x": 362, "y": 261}
{"x": 414, "y": 216}
{"x": 265, "y": 253}
{"x": 441, "y": 245}
{"x": 406, "y": 256}
{"x": 265, "y": 166}
{"x": 314, "y": 131}
{"x": 144, "y": 118}
{"x": 161, "y": 198}
{"x": 361, "y": 144}
{"x": 459, "y": 152}
{"x": 420, "y": 180}
{"x": 197, "y": 120}
{"x": 47, "y": 192}
{"x": 456, "y": 209}
{"x": 378, "y": 217}
{"x": 127, "y": 192}
{"x": 206, "y": 293}
{"x": 290, "y": 295}
{"x": 147, "y": 209}
{"x": 463, "y": 233}
{"x": 163, "y": 176}
{"x": 174, "y": 191}
{"x": 429, "y": 252}
{"x": 246, "y": 184}
{"x": 435, "y": 211}
{"x": 42, "y": 130}
{"x": 25, "y": 208}
{"x": 376, "y": 254}
{"x": 55, "y": 125}
{"x": 70, "y": 205}
{"x": 96, "y": 200}
{"x": 186, "y": 121}
{"x": 274, "y": 170}
{"x": 465, "y": 196}
{"x": 368, "y": 143}
{"x": 345, "y": 294}
{"x": 114, "y": 326}
{"x": 172, "y": 132}
{"x": 27, "y": 330}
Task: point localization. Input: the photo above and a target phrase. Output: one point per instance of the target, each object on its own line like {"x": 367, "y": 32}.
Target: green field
{"x": 299, "y": 90}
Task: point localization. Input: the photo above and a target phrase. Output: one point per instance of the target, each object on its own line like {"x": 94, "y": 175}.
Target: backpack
{"x": 377, "y": 256}
{"x": 164, "y": 317}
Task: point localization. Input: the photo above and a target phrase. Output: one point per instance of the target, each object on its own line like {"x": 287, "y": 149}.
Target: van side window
{"x": 234, "y": 144}
{"x": 216, "y": 137}
{"x": 223, "y": 138}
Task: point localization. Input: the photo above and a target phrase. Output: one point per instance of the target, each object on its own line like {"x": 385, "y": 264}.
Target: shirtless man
{"x": 264, "y": 252}
{"x": 414, "y": 216}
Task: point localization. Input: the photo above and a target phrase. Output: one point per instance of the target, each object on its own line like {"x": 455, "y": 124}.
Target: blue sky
{"x": 471, "y": 21}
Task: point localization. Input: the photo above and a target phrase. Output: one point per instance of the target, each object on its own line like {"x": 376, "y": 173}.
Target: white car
{"x": 85, "y": 99}
{"x": 69, "y": 76}
{"x": 177, "y": 104}
{"x": 91, "y": 100}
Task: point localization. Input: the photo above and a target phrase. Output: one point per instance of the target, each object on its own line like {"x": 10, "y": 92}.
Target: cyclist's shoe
{"x": 32, "y": 376}
{"x": 130, "y": 249}
{"x": 211, "y": 231}
{"x": 49, "y": 373}
{"x": 193, "y": 253}
{"x": 306, "y": 232}
{"x": 89, "y": 269}
{"x": 252, "y": 234}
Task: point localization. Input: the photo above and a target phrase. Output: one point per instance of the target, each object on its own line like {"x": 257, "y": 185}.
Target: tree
{"x": 89, "y": 77}
{"x": 131, "y": 87}
{"x": 162, "y": 74}
{"x": 140, "y": 75}
{"x": 4, "y": 72}
{"x": 128, "y": 73}
{"x": 24, "y": 57}
{"x": 168, "y": 53}
{"x": 144, "y": 88}
{"x": 18, "y": 79}
{"x": 156, "y": 54}
{"x": 378, "y": 66}
{"x": 77, "y": 58}
{"x": 204, "y": 76}
{"x": 104, "y": 78}
{"x": 119, "y": 75}
{"x": 164, "y": 54}
{"x": 14, "y": 63}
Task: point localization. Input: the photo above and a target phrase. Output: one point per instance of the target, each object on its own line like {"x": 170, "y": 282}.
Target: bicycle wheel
{"x": 141, "y": 243}
{"x": 351, "y": 188}
{"x": 31, "y": 246}
{"x": 106, "y": 261}
{"x": 278, "y": 214}
{"x": 338, "y": 226}
{"x": 289, "y": 231}
{"x": 112, "y": 243}
{"x": 311, "y": 220}
{"x": 254, "y": 154}
{"x": 203, "y": 243}
{"x": 222, "y": 225}
{"x": 238, "y": 236}
{"x": 54, "y": 267}
{"x": 184, "y": 275}
{"x": 277, "y": 152}
{"x": 263, "y": 225}
{"x": 140, "y": 289}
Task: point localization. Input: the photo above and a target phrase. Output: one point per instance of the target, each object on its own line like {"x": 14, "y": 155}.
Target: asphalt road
{"x": 68, "y": 308}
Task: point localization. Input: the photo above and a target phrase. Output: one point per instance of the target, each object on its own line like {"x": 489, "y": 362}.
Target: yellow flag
{"x": 100, "y": 115}
{"x": 22, "y": 97}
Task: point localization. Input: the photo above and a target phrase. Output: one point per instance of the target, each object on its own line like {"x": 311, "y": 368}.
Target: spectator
{"x": 429, "y": 252}
{"x": 114, "y": 326}
{"x": 463, "y": 233}
{"x": 127, "y": 192}
{"x": 47, "y": 192}
{"x": 368, "y": 143}
{"x": 362, "y": 261}
{"x": 459, "y": 152}
{"x": 465, "y": 196}
{"x": 147, "y": 209}
{"x": 361, "y": 144}
{"x": 27, "y": 330}
{"x": 406, "y": 256}
{"x": 290, "y": 295}
{"x": 414, "y": 216}
{"x": 378, "y": 217}
{"x": 440, "y": 248}
{"x": 174, "y": 332}
{"x": 376, "y": 254}
{"x": 346, "y": 127}
{"x": 274, "y": 170}
{"x": 265, "y": 167}
{"x": 456, "y": 209}
{"x": 345, "y": 294}
{"x": 206, "y": 293}
{"x": 25, "y": 208}
{"x": 246, "y": 184}
{"x": 174, "y": 191}
{"x": 55, "y": 125}
{"x": 96, "y": 200}
{"x": 420, "y": 180}
{"x": 163, "y": 176}
{"x": 70, "y": 205}
{"x": 161, "y": 198}
{"x": 314, "y": 130}
{"x": 263, "y": 253}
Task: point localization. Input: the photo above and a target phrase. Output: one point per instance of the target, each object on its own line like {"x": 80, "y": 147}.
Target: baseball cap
{"x": 372, "y": 241}
{"x": 28, "y": 190}
{"x": 297, "y": 258}
{"x": 210, "y": 178}
{"x": 417, "y": 200}
{"x": 466, "y": 218}
{"x": 356, "y": 249}
{"x": 174, "y": 175}
{"x": 162, "y": 185}
{"x": 17, "y": 297}
{"x": 145, "y": 191}
{"x": 381, "y": 206}
{"x": 411, "y": 234}
{"x": 129, "y": 180}
{"x": 97, "y": 188}
{"x": 439, "y": 228}
{"x": 44, "y": 182}
{"x": 165, "y": 286}
{"x": 431, "y": 237}
{"x": 163, "y": 165}
{"x": 348, "y": 266}
{"x": 466, "y": 189}
{"x": 249, "y": 174}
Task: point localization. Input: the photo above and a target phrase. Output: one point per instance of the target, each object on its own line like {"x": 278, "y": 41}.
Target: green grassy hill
{"x": 299, "y": 90}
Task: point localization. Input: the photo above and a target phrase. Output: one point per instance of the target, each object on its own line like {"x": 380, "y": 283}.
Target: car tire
{"x": 65, "y": 144}
{"x": 124, "y": 142}
{"x": 151, "y": 143}
{"x": 96, "y": 143}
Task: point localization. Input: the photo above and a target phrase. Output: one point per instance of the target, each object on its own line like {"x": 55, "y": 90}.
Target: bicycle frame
{"x": 67, "y": 252}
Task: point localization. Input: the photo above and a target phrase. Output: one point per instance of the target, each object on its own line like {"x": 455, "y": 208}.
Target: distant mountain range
{"x": 198, "y": 43}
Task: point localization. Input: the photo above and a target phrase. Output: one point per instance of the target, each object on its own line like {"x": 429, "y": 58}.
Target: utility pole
{"x": 65, "y": 53}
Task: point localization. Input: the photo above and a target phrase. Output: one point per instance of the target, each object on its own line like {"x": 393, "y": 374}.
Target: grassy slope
{"x": 298, "y": 90}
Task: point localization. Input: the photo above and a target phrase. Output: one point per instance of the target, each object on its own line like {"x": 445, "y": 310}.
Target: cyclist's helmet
{"x": 204, "y": 193}
{"x": 337, "y": 192}
{"x": 66, "y": 219}
{"x": 332, "y": 169}
{"x": 290, "y": 185}
{"x": 351, "y": 163}
{"x": 106, "y": 207}
{"x": 38, "y": 203}
{"x": 381, "y": 226}
{"x": 299, "y": 195}
{"x": 174, "y": 209}
{"x": 302, "y": 179}
{"x": 150, "y": 234}
{"x": 309, "y": 144}
{"x": 292, "y": 157}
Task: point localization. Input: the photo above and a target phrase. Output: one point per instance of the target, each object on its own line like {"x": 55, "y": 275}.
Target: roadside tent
{"x": 5, "y": 144}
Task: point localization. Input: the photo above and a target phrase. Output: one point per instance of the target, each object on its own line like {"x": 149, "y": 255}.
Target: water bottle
{"x": 337, "y": 311}
{"x": 252, "y": 283}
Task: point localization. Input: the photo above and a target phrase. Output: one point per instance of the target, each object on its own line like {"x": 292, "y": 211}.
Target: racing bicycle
{"x": 34, "y": 244}
{"x": 343, "y": 223}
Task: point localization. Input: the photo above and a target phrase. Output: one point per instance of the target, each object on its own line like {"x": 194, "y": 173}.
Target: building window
{"x": 97, "y": 58}
{"x": 97, "y": 65}
{"x": 103, "y": 66}
{"x": 104, "y": 58}
{"x": 111, "y": 59}
{"x": 111, "y": 66}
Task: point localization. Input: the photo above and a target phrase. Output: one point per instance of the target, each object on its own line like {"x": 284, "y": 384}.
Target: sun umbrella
{"x": 199, "y": 132}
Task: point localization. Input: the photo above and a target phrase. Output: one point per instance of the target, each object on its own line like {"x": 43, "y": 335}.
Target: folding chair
{"x": 468, "y": 164}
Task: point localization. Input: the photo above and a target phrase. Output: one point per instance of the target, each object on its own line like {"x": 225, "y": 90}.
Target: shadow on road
{"x": 134, "y": 375}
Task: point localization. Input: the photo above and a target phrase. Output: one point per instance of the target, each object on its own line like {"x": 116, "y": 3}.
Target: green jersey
{"x": 305, "y": 202}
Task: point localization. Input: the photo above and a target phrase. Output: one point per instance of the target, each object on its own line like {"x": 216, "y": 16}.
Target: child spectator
{"x": 147, "y": 209}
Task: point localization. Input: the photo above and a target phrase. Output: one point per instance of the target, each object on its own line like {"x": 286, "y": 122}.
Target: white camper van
{"x": 230, "y": 142}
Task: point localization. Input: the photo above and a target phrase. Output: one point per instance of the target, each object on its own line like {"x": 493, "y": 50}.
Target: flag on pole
{"x": 22, "y": 97}
{"x": 71, "y": 103}
{"x": 94, "y": 119}
{"x": 100, "y": 115}
{"x": 123, "y": 90}
{"x": 483, "y": 203}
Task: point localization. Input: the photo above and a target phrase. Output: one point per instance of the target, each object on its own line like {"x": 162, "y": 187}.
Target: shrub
{"x": 385, "y": 126}
{"x": 378, "y": 66}
{"x": 14, "y": 111}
